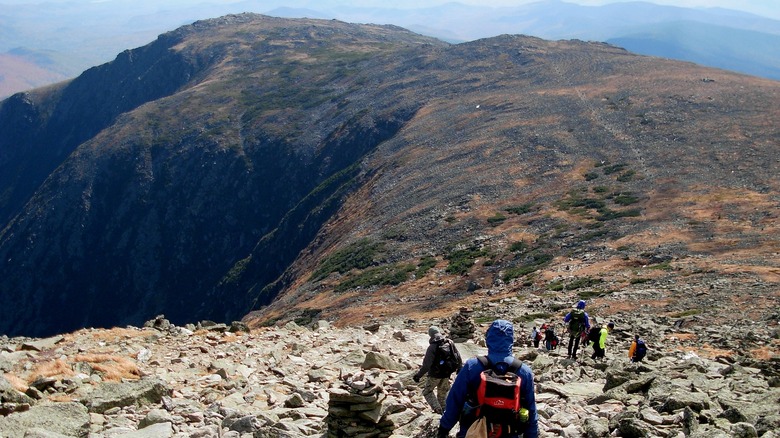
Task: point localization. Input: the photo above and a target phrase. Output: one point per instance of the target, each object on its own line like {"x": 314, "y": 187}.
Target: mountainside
{"x": 360, "y": 169}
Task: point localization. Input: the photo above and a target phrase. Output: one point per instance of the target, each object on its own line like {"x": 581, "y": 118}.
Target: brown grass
{"x": 18, "y": 383}
{"x": 763, "y": 353}
{"x": 682, "y": 336}
{"x": 112, "y": 368}
{"x": 52, "y": 368}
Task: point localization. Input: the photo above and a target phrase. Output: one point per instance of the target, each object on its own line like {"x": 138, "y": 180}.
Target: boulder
{"x": 111, "y": 394}
{"x": 70, "y": 419}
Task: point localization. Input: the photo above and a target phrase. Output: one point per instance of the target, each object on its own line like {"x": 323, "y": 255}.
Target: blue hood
{"x": 499, "y": 339}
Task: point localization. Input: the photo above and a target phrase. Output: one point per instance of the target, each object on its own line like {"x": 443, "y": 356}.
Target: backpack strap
{"x": 513, "y": 367}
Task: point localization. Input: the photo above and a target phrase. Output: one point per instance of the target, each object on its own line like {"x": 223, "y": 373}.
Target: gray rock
{"x": 135, "y": 393}
{"x": 160, "y": 430}
{"x": 246, "y": 424}
{"x": 155, "y": 416}
{"x": 70, "y": 419}
{"x": 743, "y": 430}
{"x": 768, "y": 423}
{"x": 679, "y": 400}
{"x": 295, "y": 401}
{"x": 43, "y": 433}
{"x": 381, "y": 361}
{"x": 615, "y": 378}
{"x": 9, "y": 394}
{"x": 41, "y": 344}
{"x": 596, "y": 428}
{"x": 633, "y": 428}
{"x": 238, "y": 326}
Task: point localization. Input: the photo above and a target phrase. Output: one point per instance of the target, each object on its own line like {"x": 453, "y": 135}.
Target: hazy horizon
{"x": 767, "y": 8}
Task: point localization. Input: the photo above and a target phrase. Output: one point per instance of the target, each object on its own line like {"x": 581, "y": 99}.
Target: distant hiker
{"x": 473, "y": 393}
{"x": 638, "y": 350}
{"x": 579, "y": 323}
{"x": 536, "y": 336}
{"x": 441, "y": 359}
{"x": 550, "y": 340}
{"x": 599, "y": 338}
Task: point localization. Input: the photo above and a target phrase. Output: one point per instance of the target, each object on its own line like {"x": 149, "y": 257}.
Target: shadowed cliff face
{"x": 378, "y": 160}
{"x": 157, "y": 194}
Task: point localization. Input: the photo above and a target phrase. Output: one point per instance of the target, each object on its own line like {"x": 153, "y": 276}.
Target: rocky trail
{"x": 212, "y": 380}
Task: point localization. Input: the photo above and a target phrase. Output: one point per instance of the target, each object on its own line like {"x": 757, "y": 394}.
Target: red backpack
{"x": 498, "y": 398}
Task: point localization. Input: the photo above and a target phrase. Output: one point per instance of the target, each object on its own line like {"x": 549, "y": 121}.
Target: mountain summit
{"x": 341, "y": 169}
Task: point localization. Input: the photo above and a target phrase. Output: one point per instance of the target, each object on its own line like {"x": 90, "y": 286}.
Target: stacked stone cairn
{"x": 363, "y": 406}
{"x": 462, "y": 327}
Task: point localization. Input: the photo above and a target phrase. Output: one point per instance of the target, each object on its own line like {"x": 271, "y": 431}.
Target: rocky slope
{"x": 214, "y": 380}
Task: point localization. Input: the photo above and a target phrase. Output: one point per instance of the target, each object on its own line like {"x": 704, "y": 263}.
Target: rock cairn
{"x": 369, "y": 406}
{"x": 462, "y": 326}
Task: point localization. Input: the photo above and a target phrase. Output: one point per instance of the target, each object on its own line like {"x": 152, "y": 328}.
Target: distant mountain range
{"x": 301, "y": 167}
{"x": 63, "y": 39}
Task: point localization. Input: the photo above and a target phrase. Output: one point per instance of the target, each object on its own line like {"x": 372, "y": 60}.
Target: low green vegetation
{"x": 588, "y": 294}
{"x": 519, "y": 209}
{"x": 496, "y": 220}
{"x": 387, "y": 275}
{"x": 614, "y": 168}
{"x": 626, "y": 176}
{"x": 236, "y": 271}
{"x": 639, "y": 280}
{"x": 625, "y": 199}
{"x": 425, "y": 265}
{"x": 461, "y": 260}
{"x": 664, "y": 266}
{"x": 532, "y": 316}
{"x": 574, "y": 201}
{"x": 578, "y": 283}
{"x": 590, "y": 176}
{"x": 608, "y": 215}
{"x": 395, "y": 233}
{"x": 484, "y": 319}
{"x": 307, "y": 317}
{"x": 518, "y": 246}
{"x": 532, "y": 263}
{"x": 358, "y": 255}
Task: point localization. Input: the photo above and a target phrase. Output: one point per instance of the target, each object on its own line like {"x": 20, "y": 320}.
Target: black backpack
{"x": 577, "y": 321}
{"x": 594, "y": 335}
{"x": 446, "y": 361}
{"x": 641, "y": 350}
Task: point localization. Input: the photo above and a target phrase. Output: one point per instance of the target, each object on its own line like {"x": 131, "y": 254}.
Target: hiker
{"x": 441, "y": 359}
{"x": 599, "y": 340}
{"x": 536, "y": 336}
{"x": 462, "y": 402}
{"x": 638, "y": 350}
{"x": 579, "y": 323}
{"x": 550, "y": 340}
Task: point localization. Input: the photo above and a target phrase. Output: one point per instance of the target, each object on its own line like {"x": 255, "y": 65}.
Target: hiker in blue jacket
{"x": 499, "y": 339}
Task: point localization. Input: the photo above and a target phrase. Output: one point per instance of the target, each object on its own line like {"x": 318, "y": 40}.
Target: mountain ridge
{"x": 125, "y": 24}
{"x": 405, "y": 171}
